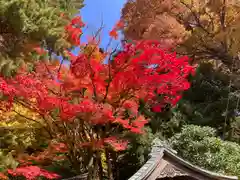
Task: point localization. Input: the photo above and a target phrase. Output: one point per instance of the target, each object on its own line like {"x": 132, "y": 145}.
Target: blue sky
{"x": 97, "y": 11}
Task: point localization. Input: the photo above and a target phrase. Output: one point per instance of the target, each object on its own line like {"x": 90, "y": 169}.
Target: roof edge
{"x": 144, "y": 172}
{"x": 158, "y": 152}
{"x": 197, "y": 168}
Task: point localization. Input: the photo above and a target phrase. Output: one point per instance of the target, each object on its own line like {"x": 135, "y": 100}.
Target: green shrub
{"x": 200, "y": 146}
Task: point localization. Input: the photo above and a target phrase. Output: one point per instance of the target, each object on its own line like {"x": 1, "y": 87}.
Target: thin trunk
{"x": 230, "y": 131}
{"x": 116, "y": 165}
{"x": 90, "y": 169}
{"x": 95, "y": 169}
{"x": 100, "y": 172}
{"x": 109, "y": 164}
{"x": 222, "y": 21}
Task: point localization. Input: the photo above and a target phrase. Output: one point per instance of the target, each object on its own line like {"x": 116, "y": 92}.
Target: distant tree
{"x": 155, "y": 20}
{"x": 209, "y": 101}
{"x": 211, "y": 26}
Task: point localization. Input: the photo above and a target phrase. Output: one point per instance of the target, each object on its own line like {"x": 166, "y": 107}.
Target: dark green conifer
{"x": 28, "y": 23}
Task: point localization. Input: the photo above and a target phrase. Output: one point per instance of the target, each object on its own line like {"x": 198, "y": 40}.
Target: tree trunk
{"x": 100, "y": 172}
{"x": 109, "y": 164}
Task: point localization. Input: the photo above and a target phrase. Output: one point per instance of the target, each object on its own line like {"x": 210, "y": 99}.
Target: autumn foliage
{"x": 155, "y": 20}
{"x": 87, "y": 107}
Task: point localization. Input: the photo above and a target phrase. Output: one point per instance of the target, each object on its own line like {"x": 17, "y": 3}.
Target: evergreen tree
{"x": 27, "y": 24}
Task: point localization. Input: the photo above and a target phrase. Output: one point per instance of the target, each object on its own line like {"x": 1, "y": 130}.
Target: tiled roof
{"x": 158, "y": 153}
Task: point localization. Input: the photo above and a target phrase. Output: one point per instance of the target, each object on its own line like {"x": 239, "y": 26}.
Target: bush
{"x": 200, "y": 146}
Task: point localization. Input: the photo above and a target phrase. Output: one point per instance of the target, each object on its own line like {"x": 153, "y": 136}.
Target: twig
{"x": 109, "y": 73}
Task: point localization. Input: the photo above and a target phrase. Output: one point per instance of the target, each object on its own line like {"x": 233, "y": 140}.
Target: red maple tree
{"x": 87, "y": 107}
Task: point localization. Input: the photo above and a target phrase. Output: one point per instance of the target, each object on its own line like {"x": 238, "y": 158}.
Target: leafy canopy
{"x": 87, "y": 108}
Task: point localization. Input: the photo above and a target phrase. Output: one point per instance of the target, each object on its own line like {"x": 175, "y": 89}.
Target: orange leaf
{"x": 113, "y": 33}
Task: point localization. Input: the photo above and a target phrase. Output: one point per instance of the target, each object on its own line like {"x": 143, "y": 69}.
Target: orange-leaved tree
{"x": 87, "y": 107}
{"x": 154, "y": 20}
